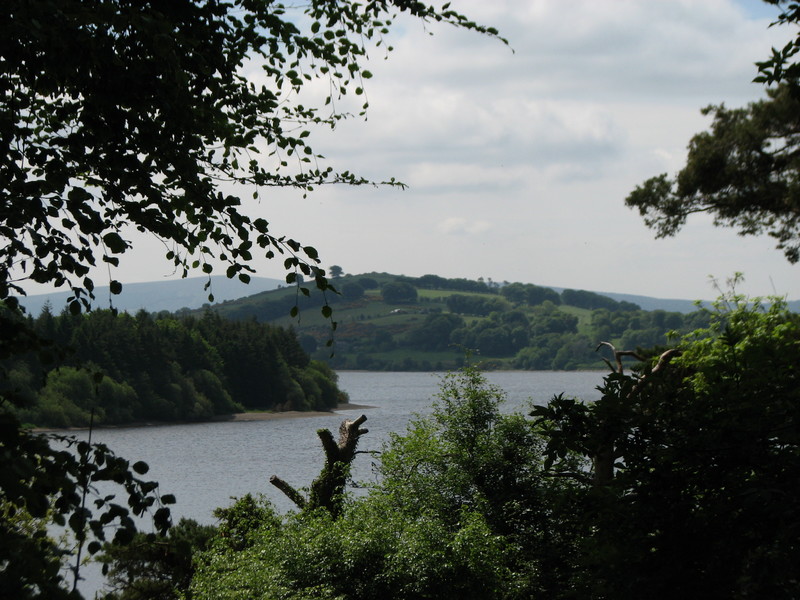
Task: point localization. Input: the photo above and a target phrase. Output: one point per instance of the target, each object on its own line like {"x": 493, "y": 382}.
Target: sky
{"x": 519, "y": 158}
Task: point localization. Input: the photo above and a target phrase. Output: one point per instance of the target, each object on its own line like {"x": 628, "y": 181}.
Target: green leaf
{"x": 114, "y": 242}
{"x": 140, "y": 467}
{"x": 162, "y": 518}
{"x": 94, "y": 547}
{"x": 124, "y": 536}
{"x": 115, "y": 287}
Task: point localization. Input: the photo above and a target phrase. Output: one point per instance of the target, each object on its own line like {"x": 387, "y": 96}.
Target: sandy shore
{"x": 288, "y": 414}
{"x": 240, "y": 417}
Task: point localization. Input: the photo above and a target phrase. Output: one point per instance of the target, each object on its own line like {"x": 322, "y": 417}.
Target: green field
{"x": 425, "y": 333}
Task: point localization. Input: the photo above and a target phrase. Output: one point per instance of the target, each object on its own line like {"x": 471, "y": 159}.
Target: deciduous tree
{"x": 123, "y": 115}
{"x": 150, "y": 116}
{"x": 694, "y": 463}
{"x": 398, "y": 292}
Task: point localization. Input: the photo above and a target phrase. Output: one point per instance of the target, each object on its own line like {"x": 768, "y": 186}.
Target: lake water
{"x": 205, "y": 465}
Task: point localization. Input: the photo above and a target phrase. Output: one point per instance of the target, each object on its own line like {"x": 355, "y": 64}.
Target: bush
{"x": 462, "y": 511}
{"x": 695, "y": 463}
{"x": 398, "y": 292}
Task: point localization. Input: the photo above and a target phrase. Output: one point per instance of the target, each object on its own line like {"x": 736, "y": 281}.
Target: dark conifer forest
{"x": 146, "y": 367}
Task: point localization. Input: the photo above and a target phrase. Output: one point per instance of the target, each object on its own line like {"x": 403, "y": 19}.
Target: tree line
{"x": 546, "y": 338}
{"x": 391, "y": 324}
{"x": 158, "y": 367}
{"x": 400, "y": 289}
{"x": 620, "y": 498}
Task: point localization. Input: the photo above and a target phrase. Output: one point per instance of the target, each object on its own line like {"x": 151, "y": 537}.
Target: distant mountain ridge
{"x": 155, "y": 296}
{"x": 671, "y": 304}
{"x": 175, "y": 294}
{"x": 649, "y": 302}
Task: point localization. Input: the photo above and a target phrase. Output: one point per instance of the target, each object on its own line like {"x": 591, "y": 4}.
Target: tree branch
{"x": 289, "y": 491}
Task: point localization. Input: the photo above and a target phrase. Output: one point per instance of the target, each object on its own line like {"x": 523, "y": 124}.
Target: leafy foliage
{"x": 462, "y": 510}
{"x": 680, "y": 479}
{"x": 124, "y": 368}
{"x": 49, "y": 476}
{"x": 520, "y": 293}
{"x": 592, "y": 300}
{"x": 134, "y": 115}
{"x": 523, "y": 330}
{"x": 155, "y": 568}
{"x": 782, "y": 67}
{"x": 744, "y": 171}
{"x": 122, "y": 116}
{"x": 694, "y": 463}
{"x": 398, "y": 292}
{"x": 470, "y": 456}
{"x": 363, "y": 554}
{"x": 475, "y": 305}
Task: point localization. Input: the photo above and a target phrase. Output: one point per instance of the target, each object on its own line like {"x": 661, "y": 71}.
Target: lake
{"x": 206, "y": 464}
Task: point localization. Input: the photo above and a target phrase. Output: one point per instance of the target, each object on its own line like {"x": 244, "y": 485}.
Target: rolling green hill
{"x": 392, "y": 322}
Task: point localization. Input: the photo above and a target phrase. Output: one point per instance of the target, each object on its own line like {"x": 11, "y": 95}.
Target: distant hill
{"x": 173, "y": 295}
{"x": 156, "y": 296}
{"x": 395, "y": 322}
{"x": 668, "y": 304}
{"x": 650, "y": 303}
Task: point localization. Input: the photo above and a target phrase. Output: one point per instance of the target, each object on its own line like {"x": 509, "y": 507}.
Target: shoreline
{"x": 243, "y": 417}
{"x": 287, "y": 414}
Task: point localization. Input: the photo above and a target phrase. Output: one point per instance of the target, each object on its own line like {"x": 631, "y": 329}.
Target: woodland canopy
{"x": 138, "y": 115}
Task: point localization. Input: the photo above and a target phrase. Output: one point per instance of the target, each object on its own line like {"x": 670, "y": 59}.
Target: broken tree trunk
{"x": 605, "y": 455}
{"x": 327, "y": 490}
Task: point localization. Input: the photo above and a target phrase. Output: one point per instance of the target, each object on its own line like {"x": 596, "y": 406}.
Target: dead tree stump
{"x": 327, "y": 490}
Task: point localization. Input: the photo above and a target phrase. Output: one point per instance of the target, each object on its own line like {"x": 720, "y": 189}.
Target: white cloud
{"x": 462, "y": 225}
{"x": 519, "y": 163}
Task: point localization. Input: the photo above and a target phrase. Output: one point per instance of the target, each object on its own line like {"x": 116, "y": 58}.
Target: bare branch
{"x": 289, "y": 491}
{"x": 618, "y": 354}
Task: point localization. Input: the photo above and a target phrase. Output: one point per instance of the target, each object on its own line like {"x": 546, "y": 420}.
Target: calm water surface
{"x": 207, "y": 464}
